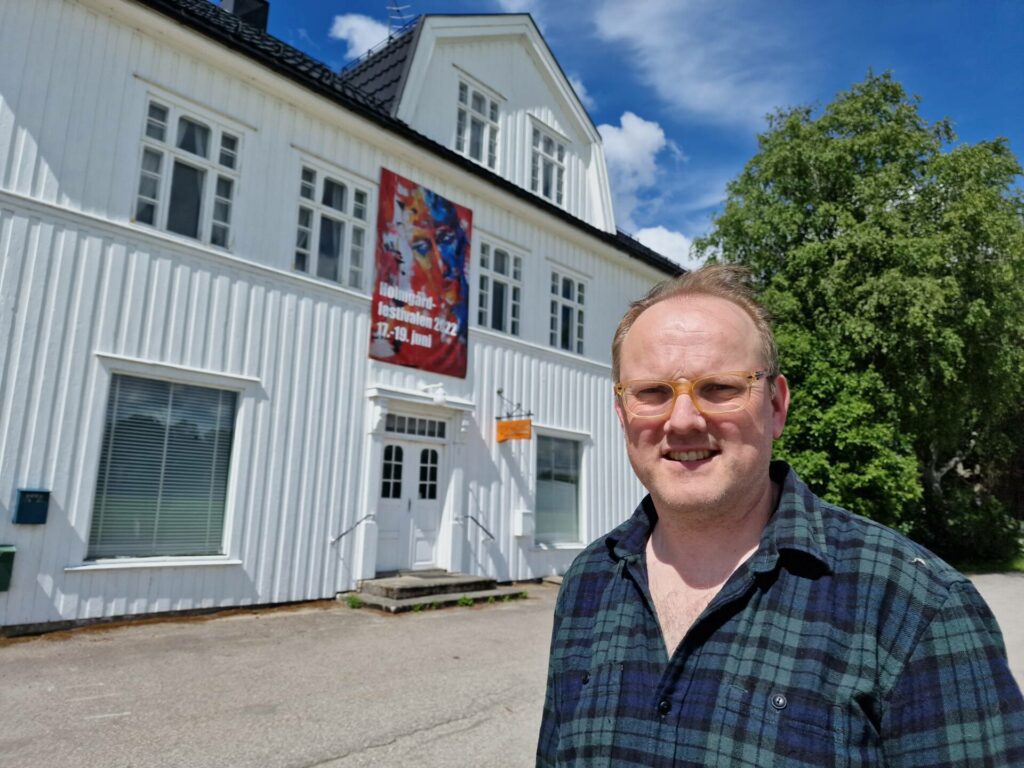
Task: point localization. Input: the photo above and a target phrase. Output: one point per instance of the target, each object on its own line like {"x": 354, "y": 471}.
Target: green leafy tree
{"x": 893, "y": 261}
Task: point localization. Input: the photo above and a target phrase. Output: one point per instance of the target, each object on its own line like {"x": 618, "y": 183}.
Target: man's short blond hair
{"x": 721, "y": 281}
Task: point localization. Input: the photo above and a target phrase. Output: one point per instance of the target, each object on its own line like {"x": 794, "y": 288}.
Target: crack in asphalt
{"x": 399, "y": 737}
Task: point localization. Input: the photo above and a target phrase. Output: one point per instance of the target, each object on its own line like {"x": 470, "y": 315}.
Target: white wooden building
{"x": 188, "y": 224}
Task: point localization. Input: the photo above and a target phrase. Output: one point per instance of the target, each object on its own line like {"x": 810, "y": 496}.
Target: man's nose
{"x": 684, "y": 416}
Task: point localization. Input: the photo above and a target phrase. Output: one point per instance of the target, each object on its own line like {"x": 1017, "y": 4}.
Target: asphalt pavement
{"x": 319, "y": 685}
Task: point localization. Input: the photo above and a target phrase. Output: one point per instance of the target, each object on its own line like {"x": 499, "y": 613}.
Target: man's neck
{"x": 705, "y": 549}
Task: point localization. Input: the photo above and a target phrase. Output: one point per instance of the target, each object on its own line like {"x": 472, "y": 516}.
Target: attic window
{"x": 476, "y": 125}
{"x": 547, "y": 169}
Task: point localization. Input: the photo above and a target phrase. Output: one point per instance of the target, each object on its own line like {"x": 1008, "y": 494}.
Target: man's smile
{"x": 691, "y": 455}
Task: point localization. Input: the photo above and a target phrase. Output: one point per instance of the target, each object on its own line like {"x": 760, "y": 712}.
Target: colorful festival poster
{"x": 421, "y": 286}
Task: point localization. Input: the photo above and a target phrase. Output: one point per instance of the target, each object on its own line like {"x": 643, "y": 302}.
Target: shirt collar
{"x": 796, "y": 525}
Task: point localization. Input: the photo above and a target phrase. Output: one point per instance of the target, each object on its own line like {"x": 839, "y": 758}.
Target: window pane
{"x": 334, "y": 195}
{"x": 332, "y": 234}
{"x": 156, "y": 122}
{"x": 498, "y": 306}
{"x": 547, "y": 185}
{"x": 186, "y": 200}
{"x": 463, "y": 93}
{"x": 224, "y": 187}
{"x": 162, "y": 482}
{"x": 145, "y": 212}
{"x": 308, "y": 186}
{"x": 359, "y": 205}
{"x": 151, "y": 161}
{"x": 557, "y": 508}
{"x": 222, "y": 212}
{"x": 219, "y": 235}
{"x": 193, "y": 137}
{"x": 228, "y": 150}
{"x": 355, "y": 259}
{"x": 567, "y": 288}
{"x": 476, "y": 139}
{"x": 494, "y": 112}
{"x": 500, "y": 261}
{"x": 566, "y": 328}
{"x": 478, "y": 102}
{"x": 148, "y": 186}
{"x": 460, "y": 132}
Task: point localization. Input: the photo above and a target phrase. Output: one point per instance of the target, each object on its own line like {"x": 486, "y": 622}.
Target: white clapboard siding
{"x": 85, "y": 293}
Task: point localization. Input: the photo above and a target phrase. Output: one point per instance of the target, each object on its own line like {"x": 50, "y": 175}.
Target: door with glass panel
{"x": 410, "y": 505}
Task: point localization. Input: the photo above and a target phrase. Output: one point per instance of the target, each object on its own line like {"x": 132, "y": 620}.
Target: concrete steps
{"x": 426, "y": 590}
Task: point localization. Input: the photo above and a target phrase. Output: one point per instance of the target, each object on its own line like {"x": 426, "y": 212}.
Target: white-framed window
{"x": 567, "y": 300}
{"x": 330, "y": 238}
{"x": 500, "y": 294}
{"x": 547, "y": 166}
{"x": 188, "y": 176}
{"x": 557, "y": 511}
{"x": 476, "y": 125}
{"x": 161, "y": 488}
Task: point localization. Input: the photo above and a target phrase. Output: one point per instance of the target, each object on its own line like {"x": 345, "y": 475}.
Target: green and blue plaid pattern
{"x": 838, "y": 643}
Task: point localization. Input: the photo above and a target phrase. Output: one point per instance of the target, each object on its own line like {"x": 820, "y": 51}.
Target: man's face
{"x": 693, "y": 465}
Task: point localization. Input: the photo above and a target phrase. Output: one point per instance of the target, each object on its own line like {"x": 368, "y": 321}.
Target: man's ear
{"x": 780, "y": 404}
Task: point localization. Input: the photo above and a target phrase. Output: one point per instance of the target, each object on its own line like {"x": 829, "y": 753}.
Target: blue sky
{"x": 679, "y": 88}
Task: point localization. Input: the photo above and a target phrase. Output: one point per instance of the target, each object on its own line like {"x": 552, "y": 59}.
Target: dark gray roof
{"x": 381, "y": 73}
{"x": 255, "y": 44}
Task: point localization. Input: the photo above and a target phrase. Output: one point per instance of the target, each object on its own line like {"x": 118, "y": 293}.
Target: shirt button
{"x": 586, "y": 678}
{"x": 779, "y": 701}
{"x": 664, "y": 707}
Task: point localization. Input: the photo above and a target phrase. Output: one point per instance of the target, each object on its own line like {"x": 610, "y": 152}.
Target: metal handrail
{"x": 351, "y": 528}
{"x": 480, "y": 526}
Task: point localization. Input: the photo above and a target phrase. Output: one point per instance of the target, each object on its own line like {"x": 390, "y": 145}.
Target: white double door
{"x": 409, "y": 505}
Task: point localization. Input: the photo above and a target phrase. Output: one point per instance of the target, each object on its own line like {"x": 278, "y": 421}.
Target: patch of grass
{"x": 417, "y": 608}
{"x": 491, "y": 600}
{"x": 466, "y": 601}
{"x": 354, "y": 601}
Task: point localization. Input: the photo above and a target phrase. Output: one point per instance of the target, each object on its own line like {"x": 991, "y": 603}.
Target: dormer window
{"x": 547, "y": 168}
{"x": 476, "y": 126}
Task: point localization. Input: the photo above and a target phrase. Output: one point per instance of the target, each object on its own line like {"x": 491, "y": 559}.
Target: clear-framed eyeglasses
{"x": 712, "y": 394}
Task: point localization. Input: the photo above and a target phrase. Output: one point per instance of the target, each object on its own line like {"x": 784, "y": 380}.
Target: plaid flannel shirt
{"x": 838, "y": 643}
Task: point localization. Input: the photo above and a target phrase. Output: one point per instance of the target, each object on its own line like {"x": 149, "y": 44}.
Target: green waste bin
{"x": 6, "y": 566}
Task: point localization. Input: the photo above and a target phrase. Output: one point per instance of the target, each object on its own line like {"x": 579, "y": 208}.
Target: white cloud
{"x": 670, "y": 244}
{"x": 517, "y": 6}
{"x": 711, "y": 60}
{"x": 360, "y": 32}
{"x": 582, "y": 92}
{"x": 631, "y": 149}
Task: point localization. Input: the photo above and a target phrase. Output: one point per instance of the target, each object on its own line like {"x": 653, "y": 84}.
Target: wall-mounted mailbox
{"x": 32, "y": 506}
{"x": 6, "y": 566}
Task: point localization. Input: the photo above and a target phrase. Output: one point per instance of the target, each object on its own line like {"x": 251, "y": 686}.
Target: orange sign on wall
{"x": 514, "y": 429}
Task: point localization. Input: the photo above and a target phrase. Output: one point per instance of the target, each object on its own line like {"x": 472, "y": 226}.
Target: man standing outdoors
{"x": 738, "y": 620}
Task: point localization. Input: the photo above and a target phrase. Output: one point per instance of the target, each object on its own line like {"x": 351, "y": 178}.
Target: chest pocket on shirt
{"x": 762, "y": 725}
{"x": 587, "y": 701}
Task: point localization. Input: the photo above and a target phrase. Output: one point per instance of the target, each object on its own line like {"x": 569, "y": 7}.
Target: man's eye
{"x": 652, "y": 392}
{"x": 719, "y": 390}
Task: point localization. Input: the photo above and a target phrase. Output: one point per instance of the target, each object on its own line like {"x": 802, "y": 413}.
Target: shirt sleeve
{"x": 956, "y": 703}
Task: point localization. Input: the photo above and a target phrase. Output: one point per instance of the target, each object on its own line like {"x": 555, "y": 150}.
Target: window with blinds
{"x": 163, "y": 475}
